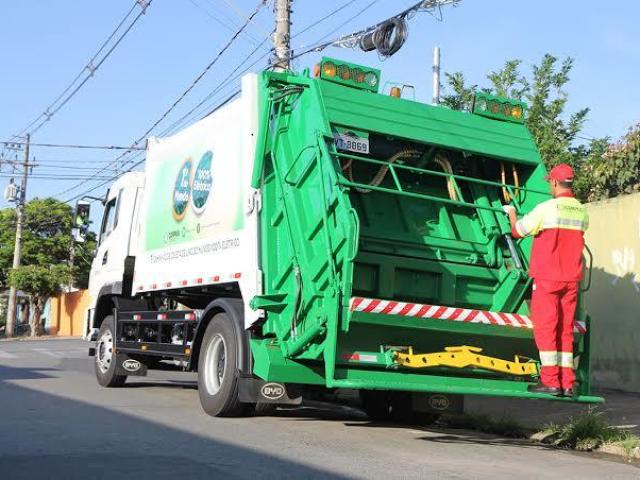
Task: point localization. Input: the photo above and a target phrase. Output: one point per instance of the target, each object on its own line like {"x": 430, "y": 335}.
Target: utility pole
{"x": 17, "y": 252}
{"x": 436, "y": 75}
{"x": 282, "y": 35}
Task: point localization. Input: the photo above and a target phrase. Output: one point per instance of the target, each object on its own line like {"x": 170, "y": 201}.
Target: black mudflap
{"x": 437, "y": 403}
{"x": 254, "y": 390}
{"x": 129, "y": 366}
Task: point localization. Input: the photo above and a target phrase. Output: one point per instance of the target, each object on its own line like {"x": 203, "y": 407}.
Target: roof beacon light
{"x": 350, "y": 74}
{"x": 499, "y": 108}
{"x": 328, "y": 69}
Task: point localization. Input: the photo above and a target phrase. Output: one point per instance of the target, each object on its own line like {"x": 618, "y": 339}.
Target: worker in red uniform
{"x": 558, "y": 227}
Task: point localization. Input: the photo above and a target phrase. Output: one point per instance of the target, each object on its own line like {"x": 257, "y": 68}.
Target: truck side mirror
{"x": 81, "y": 221}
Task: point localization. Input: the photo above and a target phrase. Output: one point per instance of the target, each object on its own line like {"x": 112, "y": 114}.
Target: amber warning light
{"x": 499, "y": 108}
{"x": 348, "y": 74}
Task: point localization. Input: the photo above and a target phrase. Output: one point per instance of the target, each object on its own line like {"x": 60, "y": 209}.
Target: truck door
{"x": 107, "y": 265}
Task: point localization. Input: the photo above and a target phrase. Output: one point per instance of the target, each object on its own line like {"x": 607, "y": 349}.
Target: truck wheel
{"x": 217, "y": 369}
{"x": 105, "y": 358}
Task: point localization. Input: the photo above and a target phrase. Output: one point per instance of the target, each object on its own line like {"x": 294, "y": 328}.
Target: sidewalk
{"x": 621, "y": 409}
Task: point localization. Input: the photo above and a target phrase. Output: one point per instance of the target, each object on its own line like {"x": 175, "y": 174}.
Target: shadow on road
{"x": 47, "y": 436}
{"x": 162, "y": 384}
{"x": 12, "y": 373}
{"x": 439, "y": 433}
{"x": 462, "y": 437}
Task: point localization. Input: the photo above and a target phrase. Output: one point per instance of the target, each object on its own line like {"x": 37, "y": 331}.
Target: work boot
{"x": 542, "y": 388}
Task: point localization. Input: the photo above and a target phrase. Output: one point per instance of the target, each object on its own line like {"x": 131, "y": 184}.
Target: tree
{"x": 616, "y": 170}
{"x": 547, "y": 101}
{"x": 46, "y": 253}
{"x": 585, "y": 158}
{"x": 46, "y": 239}
{"x": 462, "y": 95}
{"x": 39, "y": 283}
{"x": 553, "y": 129}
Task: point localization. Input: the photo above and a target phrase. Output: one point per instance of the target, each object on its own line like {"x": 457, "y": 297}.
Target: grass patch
{"x": 505, "y": 426}
{"x": 589, "y": 431}
{"x": 629, "y": 444}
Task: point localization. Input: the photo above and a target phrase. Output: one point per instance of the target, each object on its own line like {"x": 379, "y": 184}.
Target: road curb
{"x": 549, "y": 438}
{"x": 41, "y": 338}
{"x": 620, "y": 451}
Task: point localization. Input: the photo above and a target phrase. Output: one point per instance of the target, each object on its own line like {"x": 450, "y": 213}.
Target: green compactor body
{"x": 387, "y": 260}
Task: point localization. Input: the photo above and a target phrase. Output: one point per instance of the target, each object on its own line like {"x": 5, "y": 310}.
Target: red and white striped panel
{"x": 405, "y": 309}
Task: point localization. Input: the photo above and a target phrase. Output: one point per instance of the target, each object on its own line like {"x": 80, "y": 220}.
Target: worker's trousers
{"x": 553, "y": 307}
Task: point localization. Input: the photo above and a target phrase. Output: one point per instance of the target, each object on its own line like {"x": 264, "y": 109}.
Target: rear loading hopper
{"x": 387, "y": 259}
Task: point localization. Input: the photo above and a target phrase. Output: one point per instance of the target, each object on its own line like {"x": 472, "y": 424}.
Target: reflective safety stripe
{"x": 563, "y": 213}
{"x": 566, "y": 359}
{"x": 549, "y": 358}
{"x": 570, "y": 223}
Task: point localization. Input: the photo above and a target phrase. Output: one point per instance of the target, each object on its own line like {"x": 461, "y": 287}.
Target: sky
{"x": 44, "y": 44}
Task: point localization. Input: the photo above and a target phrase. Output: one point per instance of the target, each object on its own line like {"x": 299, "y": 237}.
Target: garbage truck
{"x": 319, "y": 235}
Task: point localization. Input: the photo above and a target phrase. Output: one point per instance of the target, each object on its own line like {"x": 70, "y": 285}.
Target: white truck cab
{"x": 116, "y": 241}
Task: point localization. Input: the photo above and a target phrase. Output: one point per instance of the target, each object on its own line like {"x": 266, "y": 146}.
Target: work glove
{"x": 508, "y": 209}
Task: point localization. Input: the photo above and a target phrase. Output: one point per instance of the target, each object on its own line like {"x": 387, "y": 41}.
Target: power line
{"x": 349, "y": 20}
{"x": 329, "y": 15}
{"x": 238, "y": 11}
{"x": 67, "y": 161}
{"x": 45, "y": 167}
{"x": 112, "y": 162}
{"x": 138, "y": 163}
{"x": 9, "y": 143}
{"x": 206, "y": 69}
{"x": 185, "y": 92}
{"x": 223, "y": 84}
{"x": 220, "y": 22}
{"x": 227, "y": 80}
{"x": 58, "y": 177}
{"x": 351, "y": 40}
{"x": 88, "y": 71}
{"x": 231, "y": 78}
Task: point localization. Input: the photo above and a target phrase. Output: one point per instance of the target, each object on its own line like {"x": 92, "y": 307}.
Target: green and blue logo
{"x": 182, "y": 191}
{"x": 202, "y": 183}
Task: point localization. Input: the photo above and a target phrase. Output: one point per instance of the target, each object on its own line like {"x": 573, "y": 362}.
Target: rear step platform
{"x": 374, "y": 380}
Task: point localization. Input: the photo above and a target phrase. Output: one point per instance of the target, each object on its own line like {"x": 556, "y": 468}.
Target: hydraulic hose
{"x": 441, "y": 160}
{"x": 445, "y": 164}
{"x": 503, "y": 179}
{"x": 382, "y": 172}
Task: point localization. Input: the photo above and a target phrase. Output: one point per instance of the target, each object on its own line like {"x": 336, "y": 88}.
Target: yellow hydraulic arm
{"x": 462, "y": 357}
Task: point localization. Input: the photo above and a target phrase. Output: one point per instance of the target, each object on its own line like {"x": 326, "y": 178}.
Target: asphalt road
{"x": 57, "y": 423}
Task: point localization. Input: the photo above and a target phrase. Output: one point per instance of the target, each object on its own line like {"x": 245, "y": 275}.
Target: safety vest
{"x": 558, "y": 226}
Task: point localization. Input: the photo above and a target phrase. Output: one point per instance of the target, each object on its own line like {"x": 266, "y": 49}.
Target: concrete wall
{"x": 67, "y": 313}
{"x": 614, "y": 298}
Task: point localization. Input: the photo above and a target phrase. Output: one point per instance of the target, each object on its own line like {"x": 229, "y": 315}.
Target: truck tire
{"x": 217, "y": 369}
{"x": 105, "y": 359}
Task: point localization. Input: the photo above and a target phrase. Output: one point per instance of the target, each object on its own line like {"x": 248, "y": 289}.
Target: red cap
{"x": 561, "y": 173}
